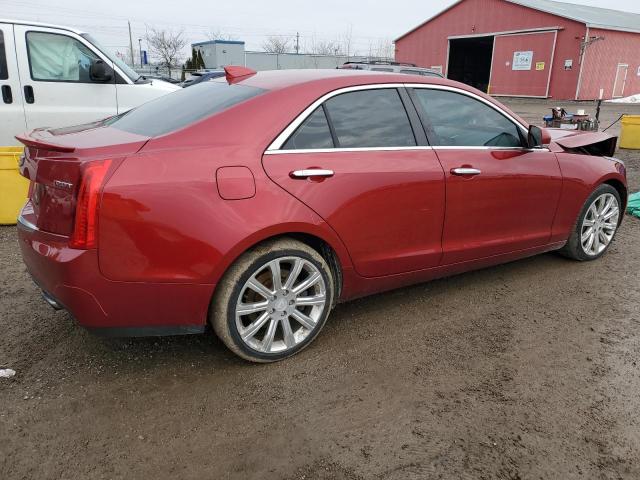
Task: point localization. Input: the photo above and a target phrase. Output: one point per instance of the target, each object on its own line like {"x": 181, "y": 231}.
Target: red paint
{"x": 403, "y": 191}
{"x": 509, "y": 206}
{"x": 601, "y": 61}
{"x": 167, "y": 231}
{"x": 506, "y": 81}
{"x": 426, "y": 45}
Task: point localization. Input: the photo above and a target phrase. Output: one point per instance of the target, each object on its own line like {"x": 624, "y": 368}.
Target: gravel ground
{"x": 526, "y": 370}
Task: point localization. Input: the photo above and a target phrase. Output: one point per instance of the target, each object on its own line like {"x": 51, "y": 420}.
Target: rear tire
{"x": 596, "y": 226}
{"x": 273, "y": 301}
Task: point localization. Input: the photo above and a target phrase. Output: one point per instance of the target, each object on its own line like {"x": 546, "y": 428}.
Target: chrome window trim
{"x": 288, "y": 131}
{"x": 276, "y": 146}
{"x": 468, "y": 94}
{"x": 352, "y": 149}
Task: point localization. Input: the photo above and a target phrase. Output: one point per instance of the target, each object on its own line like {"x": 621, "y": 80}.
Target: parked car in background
{"x": 381, "y": 66}
{"x": 257, "y": 201}
{"x": 202, "y": 76}
{"x": 156, "y": 76}
{"x": 52, "y": 76}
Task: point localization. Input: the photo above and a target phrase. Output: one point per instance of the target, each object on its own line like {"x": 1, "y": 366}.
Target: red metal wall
{"x": 601, "y": 61}
{"x": 427, "y": 45}
{"x": 505, "y": 80}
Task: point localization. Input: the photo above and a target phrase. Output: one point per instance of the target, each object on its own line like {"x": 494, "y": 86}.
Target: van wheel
{"x": 273, "y": 301}
{"x": 596, "y": 226}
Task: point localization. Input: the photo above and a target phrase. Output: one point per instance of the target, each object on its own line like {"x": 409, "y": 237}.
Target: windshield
{"x": 126, "y": 69}
{"x": 186, "y": 106}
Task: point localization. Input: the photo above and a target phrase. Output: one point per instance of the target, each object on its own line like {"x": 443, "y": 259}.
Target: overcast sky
{"x": 248, "y": 20}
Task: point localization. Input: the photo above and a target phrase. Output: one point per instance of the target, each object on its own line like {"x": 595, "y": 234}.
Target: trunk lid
{"x": 54, "y": 161}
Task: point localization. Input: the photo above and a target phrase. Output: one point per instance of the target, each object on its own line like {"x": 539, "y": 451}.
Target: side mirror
{"x": 537, "y": 137}
{"x": 100, "y": 71}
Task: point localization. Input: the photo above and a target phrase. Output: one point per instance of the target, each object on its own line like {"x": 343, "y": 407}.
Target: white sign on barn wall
{"x": 522, "y": 60}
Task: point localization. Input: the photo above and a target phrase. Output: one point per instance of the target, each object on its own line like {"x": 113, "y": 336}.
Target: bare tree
{"x": 217, "y": 34}
{"x": 166, "y": 44}
{"x": 276, "y": 44}
{"x": 324, "y": 47}
{"x": 383, "y": 49}
{"x": 347, "y": 41}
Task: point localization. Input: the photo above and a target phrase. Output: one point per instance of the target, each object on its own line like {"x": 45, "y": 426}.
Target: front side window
{"x": 55, "y": 57}
{"x": 454, "y": 119}
{"x": 313, "y": 133}
{"x": 4, "y": 74}
{"x": 370, "y": 118}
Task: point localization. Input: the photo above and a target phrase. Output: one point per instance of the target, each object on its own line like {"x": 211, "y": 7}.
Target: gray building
{"x": 219, "y": 53}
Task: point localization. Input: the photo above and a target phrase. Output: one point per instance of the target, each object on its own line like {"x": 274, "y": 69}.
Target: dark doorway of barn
{"x": 470, "y": 61}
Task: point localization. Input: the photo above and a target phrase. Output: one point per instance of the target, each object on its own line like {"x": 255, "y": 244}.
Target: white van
{"x": 54, "y": 76}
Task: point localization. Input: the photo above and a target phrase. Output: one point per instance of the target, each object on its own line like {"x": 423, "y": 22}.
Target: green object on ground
{"x": 633, "y": 207}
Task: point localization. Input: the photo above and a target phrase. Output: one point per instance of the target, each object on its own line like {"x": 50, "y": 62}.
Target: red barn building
{"x": 531, "y": 48}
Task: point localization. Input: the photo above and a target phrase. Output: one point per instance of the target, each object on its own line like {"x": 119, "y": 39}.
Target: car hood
{"x": 575, "y": 141}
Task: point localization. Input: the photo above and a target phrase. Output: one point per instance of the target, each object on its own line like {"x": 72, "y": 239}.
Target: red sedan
{"x": 254, "y": 203}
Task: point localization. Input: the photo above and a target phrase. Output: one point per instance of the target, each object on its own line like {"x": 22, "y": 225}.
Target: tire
{"x": 580, "y": 250}
{"x": 261, "y": 334}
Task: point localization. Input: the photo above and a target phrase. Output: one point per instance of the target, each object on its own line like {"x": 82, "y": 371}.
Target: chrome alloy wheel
{"x": 600, "y": 224}
{"x": 280, "y": 304}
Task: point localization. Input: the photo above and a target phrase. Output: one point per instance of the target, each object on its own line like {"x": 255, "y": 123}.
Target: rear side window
{"x": 58, "y": 58}
{"x": 370, "y": 118}
{"x": 313, "y": 133}
{"x": 183, "y": 107}
{"x": 454, "y": 119}
{"x": 4, "y": 74}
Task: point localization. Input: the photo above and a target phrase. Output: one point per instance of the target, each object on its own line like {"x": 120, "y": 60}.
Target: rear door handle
{"x": 465, "y": 171}
{"x": 7, "y": 97}
{"x": 311, "y": 172}
{"x": 28, "y": 94}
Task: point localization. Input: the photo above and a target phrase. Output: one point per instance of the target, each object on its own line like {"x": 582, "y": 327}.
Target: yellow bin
{"x": 13, "y": 186}
{"x": 630, "y": 132}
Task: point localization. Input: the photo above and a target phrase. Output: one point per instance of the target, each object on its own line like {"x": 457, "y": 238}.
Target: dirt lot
{"x": 523, "y": 371}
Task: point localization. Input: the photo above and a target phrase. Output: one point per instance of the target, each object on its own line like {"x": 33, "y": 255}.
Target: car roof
{"x": 279, "y": 79}
{"x": 41, "y": 24}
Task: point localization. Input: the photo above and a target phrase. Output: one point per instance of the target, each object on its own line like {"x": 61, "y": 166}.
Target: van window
{"x": 186, "y": 106}
{"x": 313, "y": 133}
{"x": 459, "y": 120}
{"x": 4, "y": 74}
{"x": 370, "y": 118}
{"x": 58, "y": 58}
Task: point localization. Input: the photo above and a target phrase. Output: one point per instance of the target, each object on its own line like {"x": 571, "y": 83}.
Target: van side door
{"x": 58, "y": 86}
{"x": 12, "y": 120}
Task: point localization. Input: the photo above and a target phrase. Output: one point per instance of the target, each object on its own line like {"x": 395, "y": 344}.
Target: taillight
{"x": 85, "y": 231}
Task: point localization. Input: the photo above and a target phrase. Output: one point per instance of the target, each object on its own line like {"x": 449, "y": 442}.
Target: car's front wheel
{"x": 273, "y": 301}
{"x": 596, "y": 226}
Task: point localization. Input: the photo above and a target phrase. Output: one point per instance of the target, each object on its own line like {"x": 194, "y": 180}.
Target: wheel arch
{"x": 621, "y": 188}
{"x": 328, "y": 246}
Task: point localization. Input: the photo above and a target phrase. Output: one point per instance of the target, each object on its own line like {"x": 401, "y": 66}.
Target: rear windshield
{"x": 183, "y": 107}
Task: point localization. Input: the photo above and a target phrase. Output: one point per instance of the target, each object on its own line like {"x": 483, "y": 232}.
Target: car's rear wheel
{"x": 273, "y": 301}
{"x": 597, "y": 225}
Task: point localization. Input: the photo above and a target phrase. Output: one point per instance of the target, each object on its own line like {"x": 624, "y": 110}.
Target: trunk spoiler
{"x": 30, "y": 140}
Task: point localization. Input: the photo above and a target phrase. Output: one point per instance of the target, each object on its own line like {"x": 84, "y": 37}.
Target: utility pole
{"x": 297, "y": 42}
{"x": 140, "y": 51}
{"x": 130, "y": 44}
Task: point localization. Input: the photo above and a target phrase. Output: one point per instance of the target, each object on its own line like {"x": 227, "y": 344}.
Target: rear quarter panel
{"x": 162, "y": 218}
{"x": 582, "y": 174}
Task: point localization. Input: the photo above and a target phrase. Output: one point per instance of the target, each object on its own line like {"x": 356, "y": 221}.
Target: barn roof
{"x": 594, "y": 17}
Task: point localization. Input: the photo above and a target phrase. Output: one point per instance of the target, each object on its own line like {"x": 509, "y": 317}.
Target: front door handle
{"x": 28, "y": 94}
{"x": 465, "y": 171}
{"x": 311, "y": 172}
{"x": 7, "y": 97}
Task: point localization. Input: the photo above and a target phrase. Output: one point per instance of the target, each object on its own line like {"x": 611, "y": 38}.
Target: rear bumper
{"x": 71, "y": 279}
